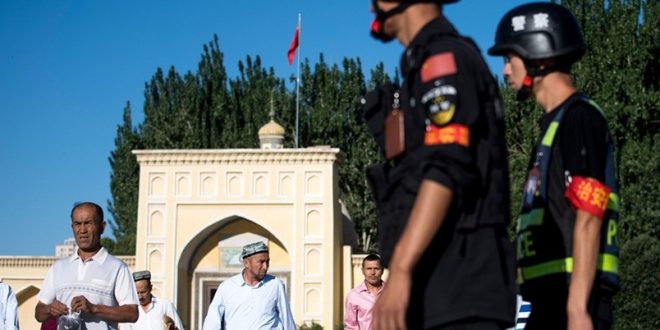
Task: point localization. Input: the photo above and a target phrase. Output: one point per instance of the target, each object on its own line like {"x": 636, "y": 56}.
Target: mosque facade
{"x": 197, "y": 208}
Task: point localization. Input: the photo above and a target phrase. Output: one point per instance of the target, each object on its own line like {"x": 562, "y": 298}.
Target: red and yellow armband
{"x": 588, "y": 194}
{"x": 452, "y": 133}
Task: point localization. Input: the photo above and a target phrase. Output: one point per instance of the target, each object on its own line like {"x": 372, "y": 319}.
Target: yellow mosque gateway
{"x": 197, "y": 208}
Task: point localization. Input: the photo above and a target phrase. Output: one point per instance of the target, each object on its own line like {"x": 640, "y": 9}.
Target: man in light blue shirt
{"x": 251, "y": 299}
{"x": 8, "y": 308}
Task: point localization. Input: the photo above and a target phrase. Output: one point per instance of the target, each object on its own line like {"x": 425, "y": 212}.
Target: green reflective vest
{"x": 539, "y": 239}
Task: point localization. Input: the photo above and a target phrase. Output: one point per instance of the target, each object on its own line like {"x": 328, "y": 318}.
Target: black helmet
{"x": 381, "y": 16}
{"x": 538, "y": 31}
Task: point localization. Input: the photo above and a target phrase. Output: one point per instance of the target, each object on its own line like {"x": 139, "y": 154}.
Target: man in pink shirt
{"x": 361, "y": 299}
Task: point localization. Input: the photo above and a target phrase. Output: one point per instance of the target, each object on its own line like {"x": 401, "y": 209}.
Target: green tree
{"x": 361, "y": 151}
{"x": 521, "y": 131}
{"x": 124, "y": 182}
{"x": 250, "y": 103}
{"x": 168, "y": 106}
{"x": 637, "y": 306}
{"x": 212, "y": 96}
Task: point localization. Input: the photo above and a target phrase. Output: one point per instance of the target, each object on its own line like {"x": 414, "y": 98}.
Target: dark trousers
{"x": 472, "y": 324}
{"x": 549, "y": 311}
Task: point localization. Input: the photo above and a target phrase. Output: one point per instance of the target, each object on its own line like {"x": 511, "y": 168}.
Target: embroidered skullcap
{"x": 142, "y": 275}
{"x": 253, "y": 248}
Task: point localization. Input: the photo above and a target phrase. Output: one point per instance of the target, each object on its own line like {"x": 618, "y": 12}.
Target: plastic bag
{"x": 70, "y": 321}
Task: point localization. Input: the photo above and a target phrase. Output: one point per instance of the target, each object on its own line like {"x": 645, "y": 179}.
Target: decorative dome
{"x": 271, "y": 135}
{"x": 272, "y": 128}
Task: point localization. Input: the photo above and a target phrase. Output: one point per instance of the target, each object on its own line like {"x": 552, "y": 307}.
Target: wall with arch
{"x": 196, "y": 206}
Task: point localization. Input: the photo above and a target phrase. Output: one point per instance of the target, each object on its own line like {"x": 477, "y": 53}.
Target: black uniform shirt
{"x": 579, "y": 149}
{"x": 454, "y": 136}
{"x": 582, "y": 139}
{"x": 444, "y": 88}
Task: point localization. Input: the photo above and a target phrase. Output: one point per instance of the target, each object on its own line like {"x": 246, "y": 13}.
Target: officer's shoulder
{"x": 586, "y": 117}
{"x": 453, "y": 51}
{"x": 586, "y": 112}
{"x": 461, "y": 47}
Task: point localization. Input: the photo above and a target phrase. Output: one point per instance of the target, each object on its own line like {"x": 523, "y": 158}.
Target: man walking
{"x": 252, "y": 299}
{"x": 360, "y": 300}
{"x": 151, "y": 309}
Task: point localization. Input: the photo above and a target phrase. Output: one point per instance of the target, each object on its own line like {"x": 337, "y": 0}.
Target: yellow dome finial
{"x": 271, "y": 135}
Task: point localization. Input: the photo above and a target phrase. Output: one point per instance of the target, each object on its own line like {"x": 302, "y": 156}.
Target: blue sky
{"x": 67, "y": 69}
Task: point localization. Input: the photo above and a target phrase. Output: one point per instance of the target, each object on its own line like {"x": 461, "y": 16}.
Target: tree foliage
{"x": 637, "y": 306}
{"x": 521, "y": 131}
{"x": 124, "y": 183}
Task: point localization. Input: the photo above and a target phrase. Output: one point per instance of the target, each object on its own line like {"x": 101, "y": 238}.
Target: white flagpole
{"x": 298, "y": 80}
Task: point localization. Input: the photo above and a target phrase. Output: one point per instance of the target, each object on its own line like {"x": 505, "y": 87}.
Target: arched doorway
{"x": 213, "y": 255}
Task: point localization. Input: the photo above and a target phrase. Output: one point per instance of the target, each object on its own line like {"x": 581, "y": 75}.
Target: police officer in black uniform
{"x": 442, "y": 195}
{"x": 567, "y": 244}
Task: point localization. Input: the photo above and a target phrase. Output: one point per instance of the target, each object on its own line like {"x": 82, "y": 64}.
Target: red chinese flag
{"x": 437, "y": 66}
{"x": 292, "y": 48}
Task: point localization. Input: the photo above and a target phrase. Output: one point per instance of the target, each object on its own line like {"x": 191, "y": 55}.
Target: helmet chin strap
{"x": 533, "y": 71}
{"x": 381, "y": 16}
{"x": 526, "y": 90}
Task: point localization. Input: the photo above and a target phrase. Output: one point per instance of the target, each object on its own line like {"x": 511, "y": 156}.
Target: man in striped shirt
{"x": 361, "y": 299}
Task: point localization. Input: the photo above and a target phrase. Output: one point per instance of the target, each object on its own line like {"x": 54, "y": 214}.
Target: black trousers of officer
{"x": 549, "y": 312}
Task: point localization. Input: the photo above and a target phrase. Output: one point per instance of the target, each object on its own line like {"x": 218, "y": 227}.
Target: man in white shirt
{"x": 252, "y": 299}
{"x": 151, "y": 309}
{"x": 8, "y": 307}
{"x": 92, "y": 283}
